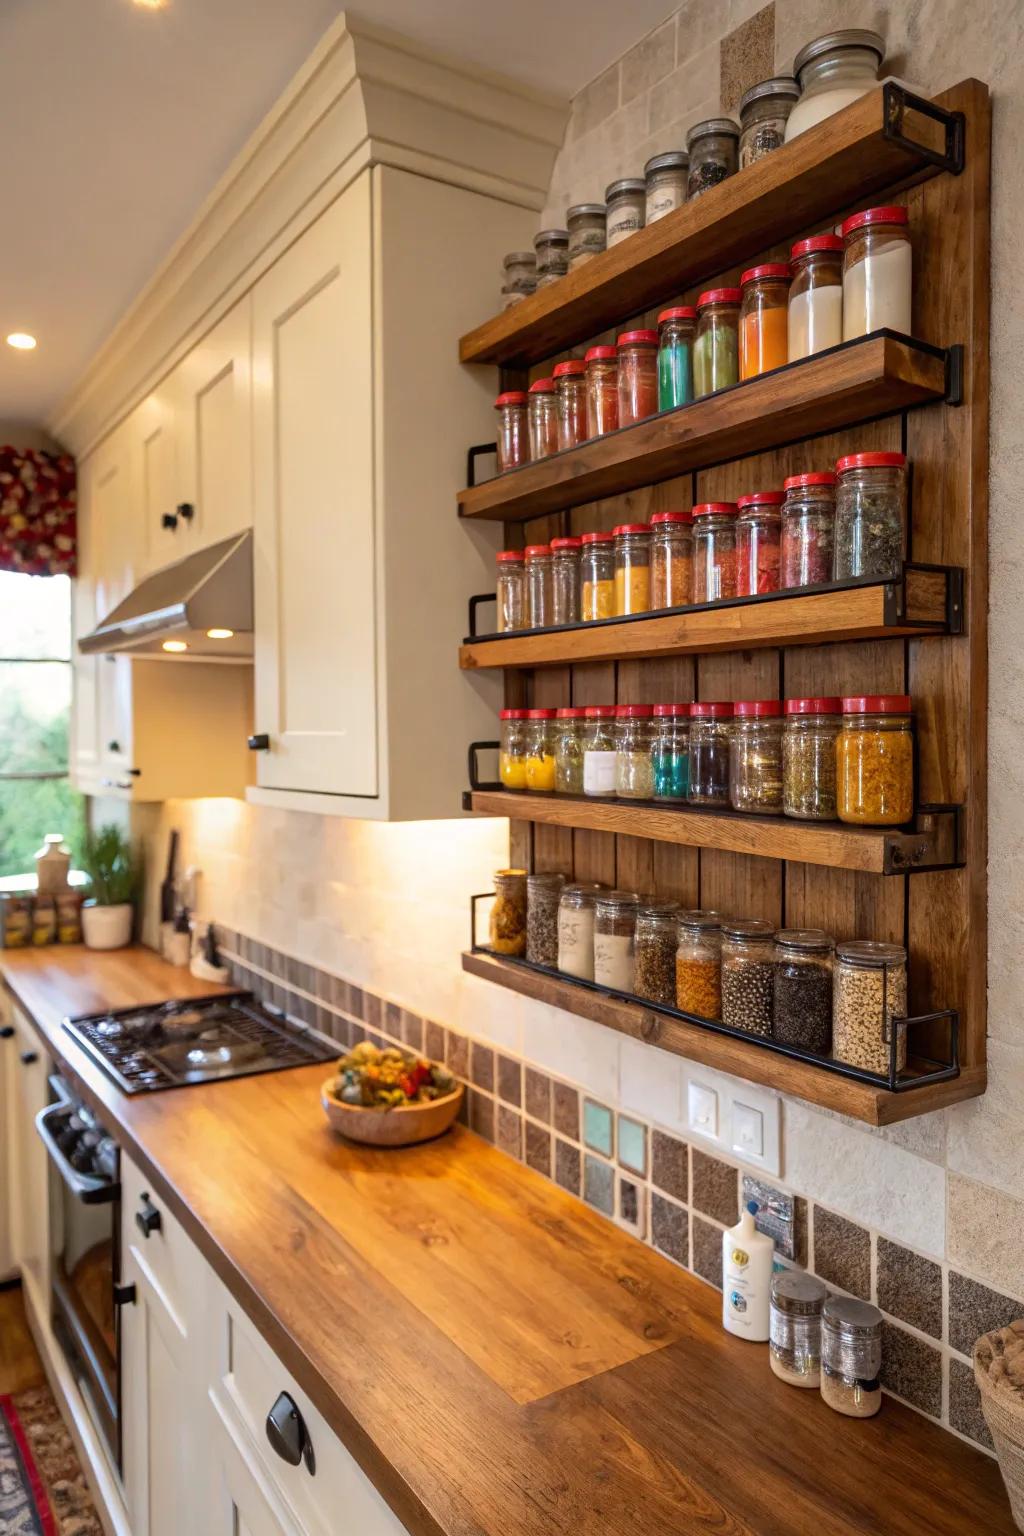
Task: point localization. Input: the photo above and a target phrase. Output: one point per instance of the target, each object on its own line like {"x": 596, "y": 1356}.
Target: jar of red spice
{"x": 714, "y": 551}
{"x": 543, "y": 419}
{"x": 513, "y": 609}
{"x": 602, "y": 365}
{"x": 565, "y": 580}
{"x": 671, "y": 559}
{"x": 764, "y": 320}
{"x": 571, "y": 387}
{"x": 538, "y": 585}
{"x": 638, "y": 376}
{"x": 808, "y": 530}
{"x": 758, "y": 529}
{"x": 513, "y": 438}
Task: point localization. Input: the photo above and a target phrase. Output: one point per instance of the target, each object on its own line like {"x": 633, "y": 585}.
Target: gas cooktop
{"x": 178, "y": 1044}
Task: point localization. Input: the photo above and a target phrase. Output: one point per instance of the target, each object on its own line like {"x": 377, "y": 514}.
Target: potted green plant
{"x": 114, "y": 875}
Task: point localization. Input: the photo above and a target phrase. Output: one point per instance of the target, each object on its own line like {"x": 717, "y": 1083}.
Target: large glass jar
{"x": 540, "y": 750}
{"x": 713, "y": 147}
{"x": 625, "y": 203}
{"x": 764, "y": 111}
{"x": 507, "y": 923}
{"x": 543, "y": 894}
{"x": 875, "y": 761}
{"x": 869, "y": 997}
{"x": 538, "y": 585}
{"x": 614, "y": 932}
{"x": 638, "y": 376}
{"x": 748, "y": 975}
{"x": 587, "y": 232}
{"x": 758, "y": 532}
{"x": 832, "y": 71}
{"x": 633, "y": 771}
{"x": 552, "y": 248}
{"x": 565, "y": 580}
{"x": 632, "y": 568}
{"x": 543, "y": 419}
{"x": 808, "y": 530}
{"x": 676, "y": 330}
{"x": 764, "y": 319}
{"x": 755, "y": 757}
{"x": 512, "y": 752}
{"x": 513, "y": 605}
{"x": 568, "y": 740}
{"x": 571, "y": 388}
{"x": 851, "y": 1356}
{"x": 576, "y": 930}
{"x": 513, "y": 434}
{"x": 597, "y": 576}
{"x": 602, "y": 365}
{"x": 809, "y": 758}
{"x": 815, "y": 318}
{"x": 671, "y": 559}
{"x": 710, "y": 729}
{"x": 714, "y": 551}
{"x": 670, "y": 752}
{"x": 716, "y": 345}
{"x": 802, "y": 1005}
{"x": 877, "y": 263}
{"x": 665, "y": 177}
{"x": 699, "y": 964}
{"x": 519, "y": 272}
{"x": 871, "y": 512}
{"x": 599, "y": 750}
{"x": 794, "y": 1329}
{"x": 654, "y": 952}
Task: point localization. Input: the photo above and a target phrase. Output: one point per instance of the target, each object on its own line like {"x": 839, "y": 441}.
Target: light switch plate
{"x": 747, "y": 1130}
{"x": 702, "y": 1109}
{"x": 754, "y": 1131}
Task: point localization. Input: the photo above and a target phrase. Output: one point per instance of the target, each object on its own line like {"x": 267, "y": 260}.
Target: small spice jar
{"x": 676, "y": 330}
{"x": 632, "y": 568}
{"x": 877, "y": 272}
{"x": 713, "y": 147}
{"x": 576, "y": 930}
{"x": 807, "y": 543}
{"x": 633, "y": 771}
{"x": 587, "y": 232}
{"x": 699, "y": 964}
{"x": 513, "y": 435}
{"x": 671, "y": 559}
{"x": 614, "y": 930}
{"x": 512, "y": 751}
{"x": 654, "y": 952}
{"x": 571, "y": 389}
{"x": 599, "y": 750}
{"x": 507, "y": 924}
{"x": 552, "y": 251}
{"x": 716, "y": 344}
{"x": 665, "y": 177}
{"x": 638, "y": 376}
{"x": 802, "y": 1007}
{"x": 513, "y": 606}
{"x": 602, "y": 365}
{"x": 543, "y": 419}
{"x": 794, "y": 1327}
{"x": 543, "y": 894}
{"x": 869, "y": 997}
{"x": 539, "y": 602}
{"x": 755, "y": 757}
{"x": 509, "y": 298}
{"x": 540, "y": 750}
{"x": 764, "y": 111}
{"x": 597, "y": 576}
{"x": 809, "y": 757}
{"x": 519, "y": 272}
{"x": 815, "y": 318}
{"x": 851, "y": 1356}
{"x": 565, "y": 580}
{"x": 875, "y": 760}
{"x": 568, "y": 746}
{"x": 670, "y": 752}
{"x": 871, "y": 510}
{"x": 764, "y": 321}
{"x": 832, "y": 71}
{"x": 710, "y": 729}
{"x": 748, "y": 976}
{"x": 758, "y": 534}
{"x": 714, "y": 551}
{"x": 626, "y": 206}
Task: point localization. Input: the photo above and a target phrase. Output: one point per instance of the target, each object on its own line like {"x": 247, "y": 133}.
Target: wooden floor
{"x": 20, "y": 1366}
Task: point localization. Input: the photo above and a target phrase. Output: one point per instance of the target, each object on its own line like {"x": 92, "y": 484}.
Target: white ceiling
{"x": 116, "y": 121}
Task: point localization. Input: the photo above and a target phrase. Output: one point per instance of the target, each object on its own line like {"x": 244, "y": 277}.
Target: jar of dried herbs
{"x": 869, "y": 997}
{"x": 614, "y": 931}
{"x": 875, "y": 761}
{"x": 710, "y": 729}
{"x": 794, "y": 1336}
{"x": 576, "y": 930}
{"x": 654, "y": 953}
{"x": 599, "y": 750}
{"x": 716, "y": 347}
{"x": 512, "y": 751}
{"x": 802, "y": 1005}
{"x": 507, "y": 927}
{"x": 871, "y": 512}
{"x": 670, "y": 752}
{"x": 699, "y": 964}
{"x": 748, "y": 975}
{"x": 809, "y": 757}
{"x": 568, "y": 746}
{"x": 565, "y": 580}
{"x": 755, "y": 756}
{"x": 851, "y": 1356}
{"x": 634, "y": 774}
{"x": 543, "y": 893}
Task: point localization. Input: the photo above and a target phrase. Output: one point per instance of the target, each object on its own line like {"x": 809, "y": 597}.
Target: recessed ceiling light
{"x": 175, "y": 645}
{"x": 150, "y": 5}
{"x": 220, "y": 634}
{"x": 21, "y": 340}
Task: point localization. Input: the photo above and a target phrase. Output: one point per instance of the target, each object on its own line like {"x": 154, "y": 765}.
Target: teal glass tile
{"x": 598, "y": 1128}
{"x": 633, "y": 1145}
{"x": 599, "y": 1185}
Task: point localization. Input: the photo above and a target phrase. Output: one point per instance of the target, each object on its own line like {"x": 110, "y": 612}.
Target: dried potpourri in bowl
{"x": 378, "y": 1078}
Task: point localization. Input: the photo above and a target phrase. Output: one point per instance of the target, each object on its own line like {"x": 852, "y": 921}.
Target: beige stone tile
{"x": 701, "y": 24}
{"x": 747, "y": 55}
{"x": 689, "y": 93}
{"x": 595, "y": 102}
{"x": 650, "y": 61}
{"x": 985, "y": 1135}
{"x": 986, "y": 1233}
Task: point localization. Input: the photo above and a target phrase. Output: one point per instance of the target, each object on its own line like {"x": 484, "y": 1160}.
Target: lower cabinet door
{"x": 241, "y": 1499}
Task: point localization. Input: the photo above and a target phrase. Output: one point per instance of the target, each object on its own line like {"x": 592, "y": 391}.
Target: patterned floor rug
{"x": 42, "y": 1489}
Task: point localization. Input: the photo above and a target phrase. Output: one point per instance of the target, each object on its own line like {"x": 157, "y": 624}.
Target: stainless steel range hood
{"x": 179, "y": 610}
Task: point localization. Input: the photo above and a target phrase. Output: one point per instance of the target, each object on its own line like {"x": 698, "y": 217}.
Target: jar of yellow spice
{"x": 875, "y": 761}
{"x": 540, "y": 750}
{"x": 512, "y": 751}
{"x": 507, "y": 927}
{"x": 597, "y": 577}
{"x": 632, "y": 568}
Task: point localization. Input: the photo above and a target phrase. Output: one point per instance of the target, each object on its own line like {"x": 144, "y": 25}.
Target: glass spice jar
{"x": 512, "y": 750}
{"x": 758, "y": 534}
{"x": 851, "y": 1356}
{"x": 802, "y": 1006}
{"x": 755, "y": 757}
{"x": 614, "y": 933}
{"x": 748, "y": 975}
{"x": 764, "y": 111}
{"x": 633, "y": 771}
{"x": 542, "y": 407}
{"x": 665, "y": 177}
{"x": 714, "y": 551}
{"x": 710, "y": 729}
{"x": 626, "y": 206}
{"x": 513, "y": 605}
{"x": 509, "y": 298}
{"x": 632, "y": 568}
{"x": 552, "y": 250}
{"x": 671, "y": 559}
{"x": 764, "y": 320}
{"x": 815, "y": 316}
{"x": 832, "y": 71}
{"x": 869, "y": 999}
{"x": 571, "y": 391}
{"x": 809, "y": 758}
{"x": 716, "y": 344}
{"x": 597, "y": 576}
{"x": 519, "y": 272}
{"x": 576, "y": 930}
{"x": 507, "y": 923}
{"x": 654, "y": 952}
{"x": 638, "y": 376}
{"x": 513, "y": 433}
{"x": 713, "y": 149}
{"x": 808, "y": 530}
{"x": 540, "y": 750}
{"x": 539, "y": 602}
{"x": 875, "y": 761}
{"x": 877, "y": 272}
{"x": 602, "y": 365}
{"x": 543, "y": 894}
{"x": 676, "y": 330}
{"x": 794, "y": 1327}
{"x": 568, "y": 747}
{"x": 565, "y": 580}
{"x": 670, "y": 752}
{"x": 699, "y": 964}
{"x": 599, "y": 753}
{"x": 871, "y": 511}
{"x": 587, "y": 232}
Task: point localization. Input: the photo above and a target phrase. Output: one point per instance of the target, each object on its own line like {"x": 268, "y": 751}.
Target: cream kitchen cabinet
{"x": 27, "y": 1166}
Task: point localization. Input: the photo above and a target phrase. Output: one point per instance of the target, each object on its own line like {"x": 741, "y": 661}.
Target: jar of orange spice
{"x": 632, "y": 568}
{"x": 671, "y": 559}
{"x": 764, "y": 318}
{"x": 699, "y": 964}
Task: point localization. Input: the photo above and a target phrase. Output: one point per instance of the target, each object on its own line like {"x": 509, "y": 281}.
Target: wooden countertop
{"x": 500, "y": 1360}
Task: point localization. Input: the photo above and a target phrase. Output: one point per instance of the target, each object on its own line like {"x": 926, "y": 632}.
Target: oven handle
{"x": 88, "y": 1190}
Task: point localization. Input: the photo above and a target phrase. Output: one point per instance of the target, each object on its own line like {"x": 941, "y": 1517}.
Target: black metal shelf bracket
{"x": 899, "y": 105}
{"x": 475, "y": 782}
{"x": 954, "y": 374}
{"x": 472, "y": 454}
{"x": 478, "y": 602}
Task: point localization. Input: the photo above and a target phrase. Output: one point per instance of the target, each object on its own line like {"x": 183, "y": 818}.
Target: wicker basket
{"x": 1004, "y": 1415}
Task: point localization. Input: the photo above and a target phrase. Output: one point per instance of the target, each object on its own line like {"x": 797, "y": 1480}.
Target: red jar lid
{"x": 571, "y": 366}
{"x": 570, "y": 543}
{"x": 872, "y": 461}
{"x": 816, "y": 243}
{"x": 570, "y": 714}
{"x": 540, "y": 714}
{"x": 595, "y": 353}
{"x": 877, "y": 704}
{"x": 509, "y": 555}
{"x": 719, "y": 296}
{"x": 711, "y": 711}
{"x": 596, "y": 538}
{"x": 630, "y": 528}
{"x": 767, "y": 269}
{"x": 671, "y": 711}
{"x": 681, "y": 312}
{"x": 761, "y": 499}
{"x": 513, "y": 714}
{"x": 891, "y": 215}
{"x": 543, "y": 387}
{"x": 537, "y": 551}
{"x": 756, "y": 708}
{"x": 638, "y": 339}
{"x": 820, "y": 706}
{"x": 819, "y": 477}
{"x": 634, "y": 711}
{"x": 510, "y": 397}
{"x": 711, "y": 508}
{"x": 671, "y": 517}
{"x": 600, "y": 711}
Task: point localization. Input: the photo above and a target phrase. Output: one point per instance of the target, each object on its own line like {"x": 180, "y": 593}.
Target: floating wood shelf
{"x": 855, "y": 382}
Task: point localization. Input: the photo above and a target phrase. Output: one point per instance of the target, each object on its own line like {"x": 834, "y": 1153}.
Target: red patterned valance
{"x": 37, "y": 512}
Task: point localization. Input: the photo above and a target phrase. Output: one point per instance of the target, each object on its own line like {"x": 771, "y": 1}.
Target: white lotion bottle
{"x": 747, "y": 1260}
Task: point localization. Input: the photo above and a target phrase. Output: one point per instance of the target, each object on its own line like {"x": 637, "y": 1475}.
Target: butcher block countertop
{"x": 499, "y": 1359}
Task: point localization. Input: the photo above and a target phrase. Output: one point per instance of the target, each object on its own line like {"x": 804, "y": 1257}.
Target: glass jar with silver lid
{"x": 851, "y": 1356}
{"x": 520, "y": 271}
{"x": 552, "y": 250}
{"x": 832, "y": 71}
{"x": 626, "y": 205}
{"x": 713, "y": 149}
{"x": 587, "y": 232}
{"x": 665, "y": 178}
{"x": 764, "y": 111}
{"x": 794, "y": 1329}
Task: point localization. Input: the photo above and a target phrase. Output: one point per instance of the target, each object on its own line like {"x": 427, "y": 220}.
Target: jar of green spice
{"x": 670, "y": 751}
{"x": 716, "y": 345}
{"x": 675, "y": 356}
{"x": 568, "y": 747}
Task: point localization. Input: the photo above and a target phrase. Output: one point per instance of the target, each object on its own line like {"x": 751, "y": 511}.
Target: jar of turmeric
{"x": 512, "y": 754}
{"x": 875, "y": 761}
{"x": 632, "y": 568}
{"x": 764, "y": 318}
{"x": 540, "y": 750}
{"x": 597, "y": 576}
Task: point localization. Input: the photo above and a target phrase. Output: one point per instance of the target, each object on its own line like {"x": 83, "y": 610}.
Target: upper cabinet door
{"x": 212, "y": 399}
{"x": 313, "y": 504}
{"x": 152, "y": 431}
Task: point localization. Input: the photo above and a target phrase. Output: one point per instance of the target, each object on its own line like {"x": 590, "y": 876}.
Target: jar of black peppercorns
{"x": 748, "y": 975}
{"x": 803, "y": 988}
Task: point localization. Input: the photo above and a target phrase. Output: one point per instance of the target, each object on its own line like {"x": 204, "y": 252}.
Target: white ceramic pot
{"x": 107, "y": 927}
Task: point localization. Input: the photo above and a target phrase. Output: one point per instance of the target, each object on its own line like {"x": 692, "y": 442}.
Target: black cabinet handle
{"x": 287, "y": 1433}
{"x": 169, "y": 520}
{"x": 259, "y": 742}
{"x": 125, "y": 1296}
{"x": 148, "y": 1219}
{"x": 186, "y": 510}
{"x": 6, "y": 1032}
{"x": 29, "y": 1058}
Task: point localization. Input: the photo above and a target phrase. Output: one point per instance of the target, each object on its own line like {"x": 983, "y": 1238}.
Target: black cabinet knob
{"x": 148, "y": 1219}
{"x": 260, "y": 742}
{"x": 287, "y": 1433}
{"x": 29, "y": 1058}
{"x": 125, "y": 1296}
{"x": 186, "y": 510}
{"x": 169, "y": 520}
{"x": 113, "y": 746}
{"x": 6, "y": 1032}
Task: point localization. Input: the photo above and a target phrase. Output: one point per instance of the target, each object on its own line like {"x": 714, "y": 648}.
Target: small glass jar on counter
{"x": 654, "y": 951}
{"x": 626, "y": 206}
{"x": 815, "y": 316}
{"x": 543, "y": 894}
{"x": 758, "y": 534}
{"x": 713, "y": 147}
{"x": 748, "y": 975}
{"x": 877, "y": 272}
{"x": 565, "y": 580}
{"x": 676, "y": 330}
{"x": 512, "y": 751}
{"x": 809, "y": 757}
{"x": 571, "y": 394}
{"x": 597, "y": 576}
{"x": 576, "y": 930}
{"x": 794, "y": 1327}
{"x": 807, "y": 544}
{"x": 638, "y": 376}
{"x": 710, "y": 729}
{"x": 602, "y": 365}
{"x": 568, "y": 748}
{"x": 851, "y": 1356}
{"x": 670, "y": 752}
{"x": 764, "y": 319}
{"x": 513, "y": 432}
{"x": 699, "y": 964}
{"x": 632, "y": 568}
{"x": 671, "y": 559}
{"x": 540, "y": 750}
{"x": 875, "y": 760}
{"x": 869, "y": 998}
{"x": 716, "y": 344}
{"x": 588, "y": 232}
{"x": 764, "y": 111}
{"x": 599, "y": 753}
{"x": 519, "y": 272}
{"x": 513, "y": 604}
{"x": 665, "y": 177}
{"x": 755, "y": 757}
{"x": 552, "y": 251}
{"x": 542, "y": 408}
{"x": 802, "y": 1007}
{"x": 633, "y": 771}
{"x": 614, "y": 936}
{"x": 832, "y": 71}
{"x": 538, "y": 585}
{"x": 507, "y": 922}
{"x": 871, "y": 512}
{"x": 714, "y": 551}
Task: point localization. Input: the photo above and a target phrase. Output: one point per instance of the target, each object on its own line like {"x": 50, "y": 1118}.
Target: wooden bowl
{"x": 398, "y": 1125}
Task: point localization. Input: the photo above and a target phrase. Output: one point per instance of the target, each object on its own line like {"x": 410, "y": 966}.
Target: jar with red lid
{"x": 599, "y": 750}
{"x": 676, "y": 330}
{"x": 875, "y": 760}
{"x": 513, "y": 434}
{"x": 638, "y": 376}
{"x": 632, "y": 568}
{"x": 871, "y": 512}
{"x": 565, "y": 580}
{"x": 716, "y": 344}
{"x": 542, "y": 407}
{"x": 512, "y": 752}
{"x": 538, "y": 585}
{"x": 571, "y": 387}
{"x": 634, "y": 775}
{"x": 758, "y": 531}
{"x": 513, "y": 604}
{"x": 714, "y": 551}
{"x": 755, "y": 757}
{"x": 670, "y": 751}
{"x": 671, "y": 559}
{"x": 809, "y": 733}
{"x": 597, "y": 577}
{"x": 602, "y": 365}
{"x": 540, "y": 750}
{"x": 877, "y": 272}
{"x": 808, "y": 530}
{"x": 815, "y": 317}
{"x": 710, "y": 729}
{"x": 764, "y": 323}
